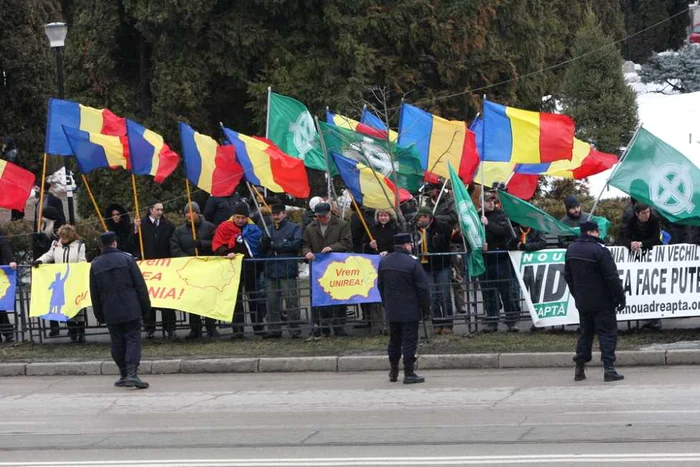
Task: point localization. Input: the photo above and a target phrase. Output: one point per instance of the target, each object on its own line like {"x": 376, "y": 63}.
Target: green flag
{"x": 527, "y": 215}
{"x": 656, "y": 174}
{"x": 376, "y": 153}
{"x": 470, "y": 223}
{"x": 291, "y": 127}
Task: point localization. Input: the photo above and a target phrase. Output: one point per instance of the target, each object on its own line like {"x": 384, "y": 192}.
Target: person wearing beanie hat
{"x": 238, "y": 236}
{"x": 433, "y": 236}
{"x": 573, "y": 218}
{"x": 326, "y": 234}
{"x": 591, "y": 274}
{"x": 445, "y": 211}
{"x": 156, "y": 232}
{"x": 120, "y": 299}
{"x": 403, "y": 286}
{"x": 183, "y": 244}
{"x": 282, "y": 241}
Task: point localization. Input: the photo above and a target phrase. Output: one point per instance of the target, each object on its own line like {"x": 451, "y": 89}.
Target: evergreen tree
{"x": 27, "y": 76}
{"x": 679, "y": 70}
{"x": 641, "y": 15}
{"x": 594, "y": 91}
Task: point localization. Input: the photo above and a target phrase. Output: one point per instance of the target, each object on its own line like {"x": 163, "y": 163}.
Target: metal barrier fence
{"x": 271, "y": 306}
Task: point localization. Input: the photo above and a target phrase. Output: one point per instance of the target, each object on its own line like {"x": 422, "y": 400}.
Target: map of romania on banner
{"x": 343, "y": 278}
{"x": 8, "y": 287}
{"x": 206, "y": 286}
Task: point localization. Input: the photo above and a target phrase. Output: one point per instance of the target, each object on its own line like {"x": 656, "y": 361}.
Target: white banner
{"x": 662, "y": 283}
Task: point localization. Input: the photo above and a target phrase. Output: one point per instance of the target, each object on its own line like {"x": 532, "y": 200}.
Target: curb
{"x": 346, "y": 364}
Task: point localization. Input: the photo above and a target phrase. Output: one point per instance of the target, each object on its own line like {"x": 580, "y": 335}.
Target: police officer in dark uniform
{"x": 120, "y": 299}
{"x": 403, "y": 285}
{"x": 591, "y": 274}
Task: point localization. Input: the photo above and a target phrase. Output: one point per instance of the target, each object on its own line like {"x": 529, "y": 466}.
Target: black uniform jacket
{"x": 403, "y": 285}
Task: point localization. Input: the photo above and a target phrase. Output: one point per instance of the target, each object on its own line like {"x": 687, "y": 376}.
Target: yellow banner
{"x": 206, "y": 286}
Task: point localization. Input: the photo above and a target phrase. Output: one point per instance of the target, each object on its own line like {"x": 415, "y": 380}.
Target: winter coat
{"x": 229, "y": 238}
{"x": 117, "y": 288}
{"x": 284, "y": 241}
{"x": 220, "y": 208}
{"x": 591, "y": 274}
{"x": 435, "y": 239}
{"x": 59, "y": 253}
{"x": 499, "y": 232}
{"x": 534, "y": 240}
{"x": 338, "y": 237}
{"x": 384, "y": 235}
{"x": 6, "y": 254}
{"x": 123, "y": 228}
{"x": 446, "y": 212}
{"x": 55, "y": 202}
{"x": 566, "y": 240}
{"x": 156, "y": 240}
{"x": 182, "y": 243}
{"x": 357, "y": 229}
{"x": 649, "y": 233}
{"x": 403, "y": 286}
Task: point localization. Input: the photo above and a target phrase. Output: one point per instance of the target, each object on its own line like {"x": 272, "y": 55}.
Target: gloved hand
{"x": 621, "y": 306}
{"x": 36, "y": 263}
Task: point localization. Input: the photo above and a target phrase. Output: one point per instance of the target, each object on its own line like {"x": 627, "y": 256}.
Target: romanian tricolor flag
{"x": 94, "y": 150}
{"x": 354, "y": 125}
{"x": 266, "y": 165}
{"x": 525, "y": 137}
{"x": 489, "y": 172}
{"x": 439, "y": 142}
{"x": 211, "y": 167}
{"x": 370, "y": 189}
{"x": 586, "y": 161}
{"x": 15, "y": 186}
{"x": 73, "y": 115}
{"x": 149, "y": 153}
{"x": 369, "y": 118}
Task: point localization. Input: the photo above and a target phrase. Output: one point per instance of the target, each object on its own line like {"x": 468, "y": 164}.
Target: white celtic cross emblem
{"x": 370, "y": 154}
{"x": 470, "y": 223}
{"x": 304, "y": 133}
{"x": 671, "y": 189}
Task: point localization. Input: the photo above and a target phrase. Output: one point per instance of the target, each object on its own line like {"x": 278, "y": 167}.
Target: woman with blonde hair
{"x": 69, "y": 248}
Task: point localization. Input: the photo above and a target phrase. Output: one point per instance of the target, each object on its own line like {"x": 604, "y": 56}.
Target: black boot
{"x": 121, "y": 382}
{"x": 394, "y": 373}
{"x": 580, "y": 372}
{"x": 72, "y": 332}
{"x": 409, "y": 374}
{"x": 611, "y": 374}
{"x": 132, "y": 380}
{"x": 81, "y": 333}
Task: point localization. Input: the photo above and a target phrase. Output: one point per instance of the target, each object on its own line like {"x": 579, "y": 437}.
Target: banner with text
{"x": 660, "y": 283}
{"x": 206, "y": 286}
{"x": 344, "y": 278}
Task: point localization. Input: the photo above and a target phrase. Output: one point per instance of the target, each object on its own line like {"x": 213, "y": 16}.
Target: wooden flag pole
{"x": 189, "y": 204}
{"x": 94, "y": 203}
{"x": 255, "y": 189}
{"x": 257, "y": 205}
{"x": 41, "y": 195}
{"x": 136, "y": 206}
{"x": 362, "y": 218}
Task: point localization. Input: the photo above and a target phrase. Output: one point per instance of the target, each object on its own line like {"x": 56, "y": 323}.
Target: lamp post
{"x": 56, "y": 33}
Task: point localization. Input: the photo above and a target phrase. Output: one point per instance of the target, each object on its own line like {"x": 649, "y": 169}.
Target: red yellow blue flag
{"x": 94, "y": 150}
{"x": 149, "y": 153}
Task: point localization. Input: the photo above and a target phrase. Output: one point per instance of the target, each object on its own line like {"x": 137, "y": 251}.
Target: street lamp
{"x": 56, "y": 33}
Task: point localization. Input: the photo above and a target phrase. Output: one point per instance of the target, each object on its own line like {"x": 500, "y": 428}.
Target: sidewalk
{"x": 345, "y": 363}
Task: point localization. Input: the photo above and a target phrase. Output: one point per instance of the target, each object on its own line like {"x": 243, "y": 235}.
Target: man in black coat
{"x": 403, "y": 286}
{"x": 220, "y": 208}
{"x": 591, "y": 274}
{"x": 156, "y": 231}
{"x": 7, "y": 258}
{"x": 183, "y": 244}
{"x": 643, "y": 230}
{"x": 119, "y": 299}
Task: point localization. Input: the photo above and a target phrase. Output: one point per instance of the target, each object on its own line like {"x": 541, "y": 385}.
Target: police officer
{"x": 592, "y": 277}
{"x": 120, "y": 298}
{"x": 403, "y": 285}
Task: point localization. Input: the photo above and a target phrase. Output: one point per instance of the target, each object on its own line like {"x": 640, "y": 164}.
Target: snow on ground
{"x": 673, "y": 118}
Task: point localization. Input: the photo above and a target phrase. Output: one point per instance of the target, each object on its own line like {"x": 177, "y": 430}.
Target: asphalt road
{"x": 494, "y": 417}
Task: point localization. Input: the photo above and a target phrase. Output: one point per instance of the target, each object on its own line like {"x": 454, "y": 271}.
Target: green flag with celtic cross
{"x": 656, "y": 174}
{"x": 292, "y": 128}
{"x": 470, "y": 223}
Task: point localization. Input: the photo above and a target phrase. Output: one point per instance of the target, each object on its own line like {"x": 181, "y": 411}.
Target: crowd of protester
{"x": 276, "y": 246}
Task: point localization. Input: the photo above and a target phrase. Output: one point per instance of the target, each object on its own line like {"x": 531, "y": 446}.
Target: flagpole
{"x": 94, "y": 203}
{"x": 617, "y": 166}
{"x": 442, "y": 190}
{"x": 362, "y": 218}
{"x": 325, "y": 155}
{"x": 483, "y": 150}
{"x": 136, "y": 206}
{"x": 189, "y": 204}
{"x": 257, "y": 206}
{"x": 41, "y": 195}
{"x": 267, "y": 119}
